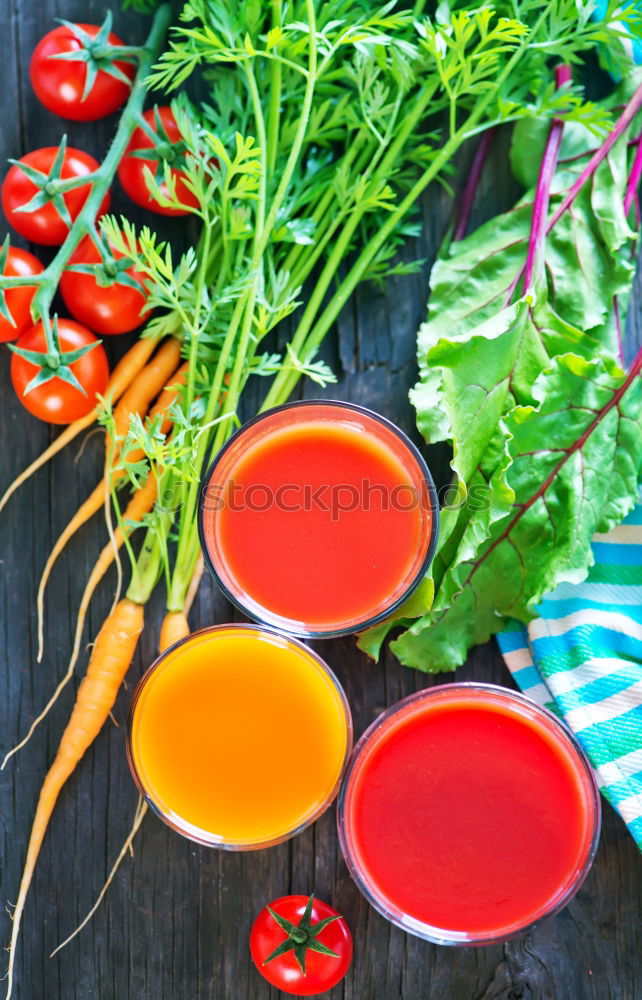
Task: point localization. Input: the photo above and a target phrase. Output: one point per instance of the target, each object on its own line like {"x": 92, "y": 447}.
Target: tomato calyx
{"x": 53, "y": 363}
{"x": 51, "y": 186}
{"x": 302, "y": 937}
{"x": 97, "y": 53}
{"x": 110, "y": 270}
{"x": 164, "y": 150}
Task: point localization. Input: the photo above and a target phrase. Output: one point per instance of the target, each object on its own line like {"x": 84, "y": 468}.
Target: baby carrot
{"x": 153, "y": 383}
{"x": 147, "y": 385}
{"x": 175, "y": 626}
{"x": 140, "y": 504}
{"x": 110, "y": 659}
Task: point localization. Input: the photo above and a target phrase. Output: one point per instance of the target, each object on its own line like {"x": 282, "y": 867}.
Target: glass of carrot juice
{"x": 238, "y": 737}
{"x": 468, "y": 813}
{"x": 318, "y": 518}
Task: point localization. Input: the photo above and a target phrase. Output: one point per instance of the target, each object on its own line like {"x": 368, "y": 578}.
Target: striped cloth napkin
{"x": 582, "y": 659}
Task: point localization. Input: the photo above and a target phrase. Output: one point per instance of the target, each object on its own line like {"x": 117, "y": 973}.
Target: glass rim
{"x": 289, "y": 626}
{"x": 443, "y": 936}
{"x": 197, "y": 834}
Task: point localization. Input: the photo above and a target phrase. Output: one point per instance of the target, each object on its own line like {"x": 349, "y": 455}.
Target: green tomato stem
{"x": 102, "y": 178}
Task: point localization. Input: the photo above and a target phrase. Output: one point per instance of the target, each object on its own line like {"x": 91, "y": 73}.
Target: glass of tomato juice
{"x": 318, "y": 518}
{"x": 238, "y": 737}
{"x": 468, "y": 813}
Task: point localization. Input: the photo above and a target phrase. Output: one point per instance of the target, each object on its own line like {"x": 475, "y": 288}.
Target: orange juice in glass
{"x": 238, "y": 737}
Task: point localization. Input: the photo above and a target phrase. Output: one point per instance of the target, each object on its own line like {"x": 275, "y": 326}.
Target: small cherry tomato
{"x": 301, "y": 945}
{"x": 165, "y": 145}
{"x": 104, "y": 308}
{"x": 62, "y": 84}
{"x": 56, "y": 401}
{"x": 45, "y": 225}
{"x": 19, "y": 264}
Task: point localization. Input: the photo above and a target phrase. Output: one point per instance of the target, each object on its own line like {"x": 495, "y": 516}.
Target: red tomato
{"x": 57, "y": 401}
{"x": 20, "y": 264}
{"x": 319, "y": 925}
{"x": 106, "y": 309}
{"x": 45, "y": 225}
{"x": 60, "y": 84}
{"x": 131, "y": 171}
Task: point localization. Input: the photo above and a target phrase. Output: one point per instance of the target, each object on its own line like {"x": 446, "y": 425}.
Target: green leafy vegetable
{"x": 570, "y": 469}
{"x": 546, "y": 429}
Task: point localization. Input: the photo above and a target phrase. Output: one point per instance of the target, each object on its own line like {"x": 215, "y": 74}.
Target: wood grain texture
{"x": 175, "y": 924}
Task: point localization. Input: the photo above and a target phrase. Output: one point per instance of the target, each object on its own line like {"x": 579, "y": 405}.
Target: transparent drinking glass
{"x": 372, "y": 746}
{"x": 417, "y": 493}
{"x": 198, "y": 710}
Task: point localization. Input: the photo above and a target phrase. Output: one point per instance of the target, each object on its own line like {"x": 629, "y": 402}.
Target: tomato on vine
{"x": 81, "y": 72}
{"x": 15, "y": 304}
{"x": 59, "y": 388}
{"x": 43, "y": 192}
{"x": 301, "y": 945}
{"x": 106, "y": 293}
{"x": 154, "y": 143}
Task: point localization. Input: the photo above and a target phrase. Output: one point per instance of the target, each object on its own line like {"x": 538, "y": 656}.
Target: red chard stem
{"x": 623, "y": 122}
{"x": 634, "y": 177}
{"x": 621, "y": 126}
{"x": 548, "y": 166}
{"x": 472, "y": 182}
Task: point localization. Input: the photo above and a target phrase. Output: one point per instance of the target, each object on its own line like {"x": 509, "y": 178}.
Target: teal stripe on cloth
{"x": 582, "y": 658}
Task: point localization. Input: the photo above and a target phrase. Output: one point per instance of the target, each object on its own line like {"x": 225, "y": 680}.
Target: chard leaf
{"x": 373, "y": 638}
{"x": 570, "y": 468}
{"x": 545, "y": 428}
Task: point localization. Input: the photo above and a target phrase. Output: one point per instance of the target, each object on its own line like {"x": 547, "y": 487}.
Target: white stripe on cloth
{"x": 630, "y": 808}
{"x": 518, "y": 659}
{"x": 596, "y": 669}
{"x": 601, "y": 711}
{"x": 625, "y": 766}
{"x": 543, "y": 628}
{"x": 610, "y": 773}
{"x": 601, "y": 593}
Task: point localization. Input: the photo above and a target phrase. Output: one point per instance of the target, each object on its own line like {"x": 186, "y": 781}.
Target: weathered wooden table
{"x": 175, "y": 923}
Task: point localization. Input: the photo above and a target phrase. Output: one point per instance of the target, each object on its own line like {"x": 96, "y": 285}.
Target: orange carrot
{"x": 141, "y": 502}
{"x": 129, "y": 366}
{"x": 123, "y": 374}
{"x": 151, "y": 380}
{"x": 175, "y": 626}
{"x": 169, "y": 395}
{"x": 110, "y": 659}
{"x": 149, "y": 384}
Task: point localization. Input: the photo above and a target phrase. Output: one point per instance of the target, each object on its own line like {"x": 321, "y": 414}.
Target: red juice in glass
{"x": 318, "y": 518}
{"x": 468, "y": 813}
